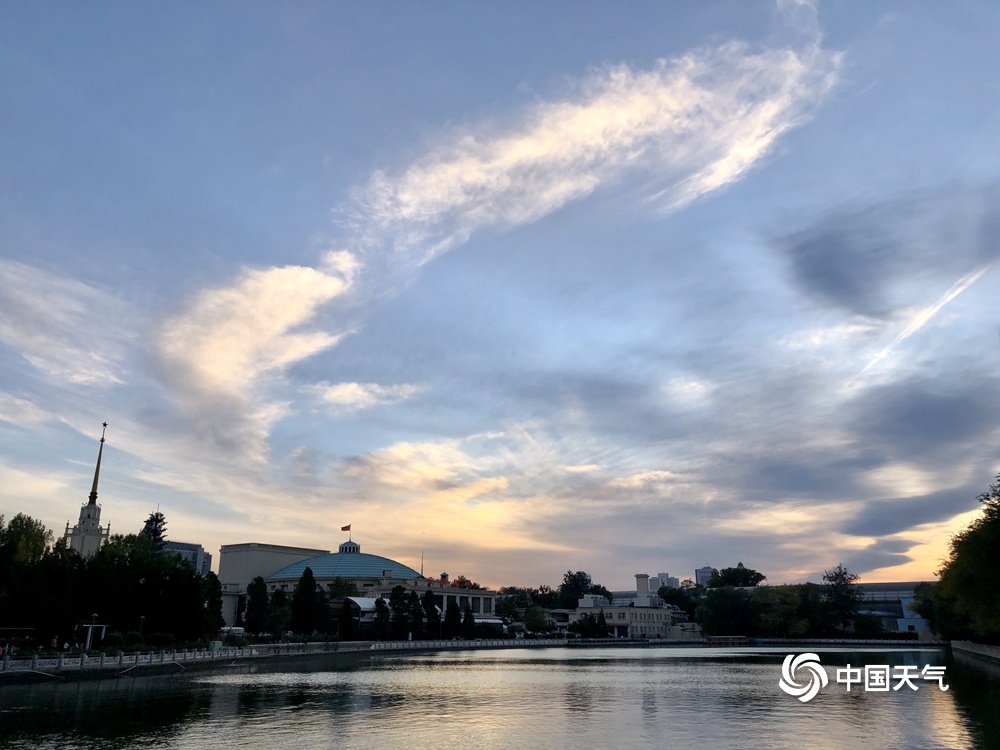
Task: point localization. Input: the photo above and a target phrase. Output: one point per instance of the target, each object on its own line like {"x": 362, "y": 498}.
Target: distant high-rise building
{"x": 194, "y": 554}
{"x": 88, "y": 535}
{"x": 703, "y": 575}
{"x": 665, "y": 579}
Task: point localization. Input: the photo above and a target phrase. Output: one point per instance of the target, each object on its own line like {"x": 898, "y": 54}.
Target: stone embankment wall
{"x": 990, "y": 652}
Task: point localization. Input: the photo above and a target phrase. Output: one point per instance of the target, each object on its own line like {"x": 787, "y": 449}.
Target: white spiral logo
{"x": 817, "y": 678}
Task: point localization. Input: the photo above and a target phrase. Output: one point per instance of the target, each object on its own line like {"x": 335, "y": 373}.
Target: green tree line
{"x": 313, "y": 612}
{"x": 733, "y": 603}
{"x": 49, "y": 593}
{"x": 965, "y": 603}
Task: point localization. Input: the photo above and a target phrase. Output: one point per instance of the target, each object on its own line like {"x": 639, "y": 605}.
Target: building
{"x": 703, "y": 575}
{"x": 663, "y": 579}
{"x": 239, "y": 564}
{"x": 376, "y": 576}
{"x": 193, "y": 554}
{"x": 889, "y": 602}
{"x": 638, "y": 614}
{"x": 88, "y": 535}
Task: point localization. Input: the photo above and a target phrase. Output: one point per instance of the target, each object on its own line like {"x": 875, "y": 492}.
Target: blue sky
{"x": 522, "y": 287}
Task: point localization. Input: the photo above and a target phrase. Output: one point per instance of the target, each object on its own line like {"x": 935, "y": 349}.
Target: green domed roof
{"x": 349, "y": 563}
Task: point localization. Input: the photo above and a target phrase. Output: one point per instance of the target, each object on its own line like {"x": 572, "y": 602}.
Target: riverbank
{"x": 38, "y": 669}
{"x": 982, "y": 657}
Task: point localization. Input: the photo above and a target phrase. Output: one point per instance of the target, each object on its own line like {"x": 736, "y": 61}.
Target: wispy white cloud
{"x": 16, "y": 410}
{"x": 693, "y": 124}
{"x": 62, "y": 327}
{"x": 356, "y": 396}
{"x": 216, "y": 354}
{"x": 685, "y": 127}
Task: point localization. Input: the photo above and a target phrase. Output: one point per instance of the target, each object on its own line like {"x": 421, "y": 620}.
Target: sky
{"x": 511, "y": 288}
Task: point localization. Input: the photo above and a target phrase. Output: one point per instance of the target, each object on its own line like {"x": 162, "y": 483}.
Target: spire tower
{"x": 88, "y": 535}
{"x": 97, "y": 471}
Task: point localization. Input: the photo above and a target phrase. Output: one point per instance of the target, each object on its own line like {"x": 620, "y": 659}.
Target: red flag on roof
{"x": 346, "y": 528}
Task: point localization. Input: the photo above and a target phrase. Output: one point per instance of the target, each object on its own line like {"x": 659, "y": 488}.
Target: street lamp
{"x": 141, "y": 618}
{"x": 90, "y": 633}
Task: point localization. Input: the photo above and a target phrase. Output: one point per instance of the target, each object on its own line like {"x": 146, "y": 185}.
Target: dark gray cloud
{"x": 850, "y": 259}
{"x": 887, "y": 517}
{"x": 884, "y": 553}
{"x": 918, "y": 418}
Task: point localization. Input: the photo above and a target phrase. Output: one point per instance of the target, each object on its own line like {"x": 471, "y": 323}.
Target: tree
{"x": 535, "y": 620}
{"x": 966, "y": 601}
{"x": 545, "y": 596}
{"x": 452, "y": 619}
{"x": 342, "y": 587}
{"x": 687, "y": 599}
{"x": 304, "y": 604}
{"x": 512, "y": 599}
{"x": 382, "y": 618}
{"x": 400, "y": 614}
{"x": 841, "y": 593}
{"x": 155, "y": 530}
{"x": 727, "y": 611}
{"x": 24, "y": 540}
{"x": 597, "y": 589}
{"x": 738, "y": 576}
{"x": 280, "y": 614}
{"x": 815, "y": 610}
{"x": 415, "y": 615}
{"x": 575, "y": 585}
{"x": 468, "y": 624}
{"x": 347, "y": 625}
{"x": 322, "y": 614}
{"x": 129, "y": 582}
{"x": 258, "y": 607}
{"x": 602, "y": 626}
{"x": 211, "y": 590}
{"x": 431, "y": 615}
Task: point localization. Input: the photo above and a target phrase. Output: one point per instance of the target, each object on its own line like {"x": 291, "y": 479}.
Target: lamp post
{"x": 141, "y": 619}
{"x": 90, "y": 632}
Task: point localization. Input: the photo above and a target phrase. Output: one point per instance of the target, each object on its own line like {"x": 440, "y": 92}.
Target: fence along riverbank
{"x": 102, "y": 665}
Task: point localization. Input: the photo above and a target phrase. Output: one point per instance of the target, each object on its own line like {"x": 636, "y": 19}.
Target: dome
{"x": 350, "y": 563}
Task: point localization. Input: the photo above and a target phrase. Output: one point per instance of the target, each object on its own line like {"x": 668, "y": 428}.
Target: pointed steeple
{"x": 97, "y": 471}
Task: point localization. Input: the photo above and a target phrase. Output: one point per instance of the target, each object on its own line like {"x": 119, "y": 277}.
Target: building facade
{"x": 376, "y": 576}
{"x": 890, "y": 604}
{"x": 239, "y": 564}
{"x": 193, "y": 554}
{"x": 703, "y": 575}
{"x": 638, "y": 614}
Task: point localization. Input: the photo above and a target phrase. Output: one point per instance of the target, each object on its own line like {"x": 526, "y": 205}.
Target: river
{"x": 520, "y": 699}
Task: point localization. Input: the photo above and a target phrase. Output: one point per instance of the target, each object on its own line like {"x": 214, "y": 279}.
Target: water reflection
{"x": 100, "y": 714}
{"x": 508, "y": 699}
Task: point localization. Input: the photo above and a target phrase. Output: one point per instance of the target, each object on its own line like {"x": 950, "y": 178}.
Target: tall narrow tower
{"x": 88, "y": 535}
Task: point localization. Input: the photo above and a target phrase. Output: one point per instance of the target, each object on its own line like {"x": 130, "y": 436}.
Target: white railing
{"x": 121, "y": 662}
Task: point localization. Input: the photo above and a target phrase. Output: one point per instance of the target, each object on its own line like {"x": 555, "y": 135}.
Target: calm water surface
{"x": 517, "y": 699}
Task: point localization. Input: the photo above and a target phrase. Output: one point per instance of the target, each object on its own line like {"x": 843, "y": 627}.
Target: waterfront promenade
{"x": 166, "y": 661}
